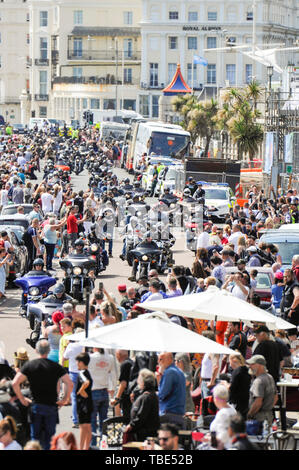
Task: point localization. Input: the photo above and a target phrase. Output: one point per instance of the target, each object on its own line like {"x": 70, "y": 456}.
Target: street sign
{"x": 289, "y": 169}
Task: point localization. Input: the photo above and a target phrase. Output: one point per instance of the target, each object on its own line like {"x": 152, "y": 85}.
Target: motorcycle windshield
{"x": 145, "y": 251}
{"x": 37, "y": 281}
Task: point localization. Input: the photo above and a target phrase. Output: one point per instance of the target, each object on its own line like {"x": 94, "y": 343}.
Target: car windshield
{"x": 287, "y": 250}
{"x": 23, "y": 223}
{"x": 263, "y": 281}
{"x": 168, "y": 144}
{"x": 18, "y": 233}
{"x": 216, "y": 194}
{"x": 13, "y": 210}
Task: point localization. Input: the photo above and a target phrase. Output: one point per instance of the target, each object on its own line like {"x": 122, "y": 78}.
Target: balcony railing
{"x": 41, "y": 97}
{"x": 41, "y": 61}
{"x": 103, "y": 80}
{"x": 107, "y": 56}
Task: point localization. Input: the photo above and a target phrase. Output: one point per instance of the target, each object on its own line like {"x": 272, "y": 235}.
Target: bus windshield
{"x": 113, "y": 133}
{"x": 168, "y": 144}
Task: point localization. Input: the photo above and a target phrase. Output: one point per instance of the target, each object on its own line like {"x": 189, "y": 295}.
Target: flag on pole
{"x": 197, "y": 59}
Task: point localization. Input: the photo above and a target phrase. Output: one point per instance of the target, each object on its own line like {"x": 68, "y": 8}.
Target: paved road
{"x": 14, "y": 329}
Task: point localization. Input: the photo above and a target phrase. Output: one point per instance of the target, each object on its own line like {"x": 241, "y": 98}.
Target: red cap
{"x": 122, "y": 288}
{"x": 57, "y": 316}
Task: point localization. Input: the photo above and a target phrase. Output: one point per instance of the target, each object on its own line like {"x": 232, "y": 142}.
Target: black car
{"x": 19, "y": 129}
{"x": 20, "y": 254}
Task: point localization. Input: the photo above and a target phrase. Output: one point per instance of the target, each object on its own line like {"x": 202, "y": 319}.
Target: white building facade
{"x": 174, "y": 31}
{"x": 85, "y": 55}
{"x": 14, "y": 58}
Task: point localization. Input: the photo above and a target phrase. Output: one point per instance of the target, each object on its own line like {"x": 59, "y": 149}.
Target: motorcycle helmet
{"x": 38, "y": 262}
{"x": 127, "y": 181}
{"x": 79, "y": 243}
{"x": 187, "y": 192}
{"x": 59, "y": 289}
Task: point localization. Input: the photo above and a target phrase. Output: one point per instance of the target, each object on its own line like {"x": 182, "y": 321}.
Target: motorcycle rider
{"x": 199, "y": 193}
{"x": 37, "y": 269}
{"x": 132, "y": 230}
{"x": 92, "y": 237}
{"x": 148, "y": 243}
{"x": 59, "y": 295}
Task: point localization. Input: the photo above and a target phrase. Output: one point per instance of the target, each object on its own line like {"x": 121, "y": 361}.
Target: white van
{"x": 40, "y": 122}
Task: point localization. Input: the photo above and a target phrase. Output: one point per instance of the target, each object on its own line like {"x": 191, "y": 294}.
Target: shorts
{"x": 84, "y": 411}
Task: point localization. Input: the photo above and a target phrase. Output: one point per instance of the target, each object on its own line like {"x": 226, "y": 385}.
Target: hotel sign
{"x": 201, "y": 28}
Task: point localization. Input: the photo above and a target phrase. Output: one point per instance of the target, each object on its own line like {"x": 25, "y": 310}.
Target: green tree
{"x": 238, "y": 116}
{"x": 198, "y": 117}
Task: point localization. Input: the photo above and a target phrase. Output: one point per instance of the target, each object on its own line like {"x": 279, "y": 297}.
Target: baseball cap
{"x": 257, "y": 359}
{"x": 122, "y": 288}
{"x": 252, "y": 249}
{"x": 262, "y": 329}
{"x": 278, "y": 275}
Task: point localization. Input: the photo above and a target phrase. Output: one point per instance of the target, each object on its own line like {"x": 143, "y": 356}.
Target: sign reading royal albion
{"x": 201, "y": 28}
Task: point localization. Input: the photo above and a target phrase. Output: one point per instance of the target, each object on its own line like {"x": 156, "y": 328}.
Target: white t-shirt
{"x": 220, "y": 423}
{"x": 47, "y": 199}
{"x": 4, "y": 197}
{"x": 234, "y": 238}
{"x": 57, "y": 201}
{"x": 100, "y": 366}
{"x": 203, "y": 240}
{"x": 14, "y": 445}
{"x": 71, "y": 352}
{"x": 237, "y": 292}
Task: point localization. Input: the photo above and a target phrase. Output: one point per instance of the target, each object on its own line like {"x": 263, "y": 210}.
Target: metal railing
{"x": 106, "y": 55}
{"x": 41, "y": 97}
{"x": 41, "y": 61}
{"x": 106, "y": 80}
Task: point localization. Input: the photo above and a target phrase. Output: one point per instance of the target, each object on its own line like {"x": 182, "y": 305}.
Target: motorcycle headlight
{"x": 77, "y": 271}
{"x": 34, "y": 291}
{"x": 94, "y": 247}
{"x": 144, "y": 258}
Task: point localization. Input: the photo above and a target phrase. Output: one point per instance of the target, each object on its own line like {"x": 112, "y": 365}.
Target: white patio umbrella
{"x": 150, "y": 332}
{"x": 216, "y": 304}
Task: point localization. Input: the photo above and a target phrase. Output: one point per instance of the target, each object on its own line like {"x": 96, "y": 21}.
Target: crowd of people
{"x": 155, "y": 395}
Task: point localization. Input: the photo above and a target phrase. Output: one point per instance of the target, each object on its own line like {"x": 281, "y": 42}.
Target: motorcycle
{"x": 166, "y": 257}
{"x": 79, "y": 270}
{"x": 39, "y": 312}
{"x": 78, "y": 166}
{"x": 35, "y": 288}
{"x": 146, "y": 259}
{"x": 95, "y": 251}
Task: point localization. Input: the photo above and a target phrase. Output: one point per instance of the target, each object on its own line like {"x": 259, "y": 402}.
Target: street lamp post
{"x": 270, "y": 75}
{"x": 116, "y": 75}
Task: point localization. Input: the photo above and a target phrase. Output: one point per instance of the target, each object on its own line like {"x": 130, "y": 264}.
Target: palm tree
{"x": 202, "y": 122}
{"x": 253, "y": 92}
{"x": 183, "y": 105}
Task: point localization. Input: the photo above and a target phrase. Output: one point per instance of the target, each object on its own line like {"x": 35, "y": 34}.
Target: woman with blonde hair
{"x": 108, "y": 312}
{"x": 241, "y": 247}
{"x": 240, "y": 384}
{"x": 8, "y": 433}
{"x": 57, "y": 199}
